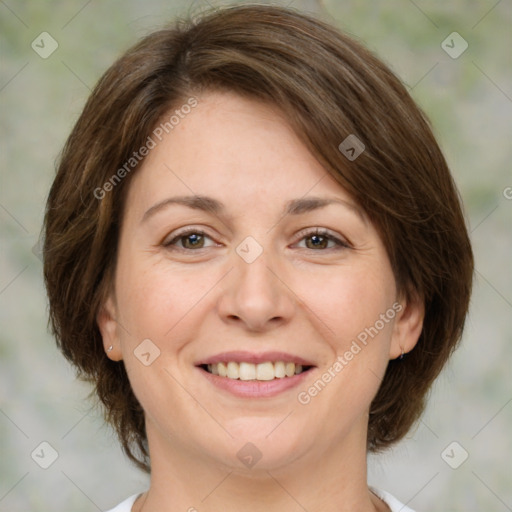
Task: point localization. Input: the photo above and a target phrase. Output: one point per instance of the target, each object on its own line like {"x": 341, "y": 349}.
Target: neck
{"x": 332, "y": 479}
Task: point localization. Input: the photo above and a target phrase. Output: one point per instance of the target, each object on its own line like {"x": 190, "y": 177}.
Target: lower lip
{"x": 255, "y": 388}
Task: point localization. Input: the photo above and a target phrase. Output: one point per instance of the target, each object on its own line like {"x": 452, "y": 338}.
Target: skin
{"x": 307, "y": 299}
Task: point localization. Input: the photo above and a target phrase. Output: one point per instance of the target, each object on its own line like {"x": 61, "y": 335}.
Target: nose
{"x": 255, "y": 296}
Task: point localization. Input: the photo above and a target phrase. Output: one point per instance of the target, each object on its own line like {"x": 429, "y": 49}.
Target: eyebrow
{"x": 204, "y": 203}
{"x": 215, "y": 207}
{"x": 307, "y": 204}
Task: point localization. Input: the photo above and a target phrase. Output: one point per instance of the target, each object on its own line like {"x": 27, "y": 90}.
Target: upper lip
{"x": 241, "y": 356}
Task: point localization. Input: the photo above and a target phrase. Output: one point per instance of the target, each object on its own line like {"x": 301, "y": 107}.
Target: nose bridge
{"x": 255, "y": 294}
{"x": 255, "y": 275}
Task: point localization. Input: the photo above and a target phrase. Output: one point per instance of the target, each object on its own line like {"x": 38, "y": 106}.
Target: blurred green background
{"x": 468, "y": 99}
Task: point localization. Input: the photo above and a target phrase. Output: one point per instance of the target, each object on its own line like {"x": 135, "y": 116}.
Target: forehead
{"x": 238, "y": 150}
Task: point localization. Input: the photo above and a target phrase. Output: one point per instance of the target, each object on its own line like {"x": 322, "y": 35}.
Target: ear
{"x": 109, "y": 329}
{"x": 408, "y": 325}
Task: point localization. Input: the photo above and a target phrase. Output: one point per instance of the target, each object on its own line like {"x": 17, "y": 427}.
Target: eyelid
{"x": 175, "y": 235}
{"x": 339, "y": 240}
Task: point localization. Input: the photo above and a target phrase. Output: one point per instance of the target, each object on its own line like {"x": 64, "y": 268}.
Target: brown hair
{"x": 329, "y": 87}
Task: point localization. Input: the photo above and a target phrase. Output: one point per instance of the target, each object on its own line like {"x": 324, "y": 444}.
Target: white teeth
{"x": 222, "y": 369}
{"x": 262, "y": 371}
{"x": 279, "y": 369}
{"x": 247, "y": 371}
{"x": 265, "y": 371}
{"x": 233, "y": 372}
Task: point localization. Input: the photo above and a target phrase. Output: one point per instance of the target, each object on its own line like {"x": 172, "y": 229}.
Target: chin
{"x": 263, "y": 444}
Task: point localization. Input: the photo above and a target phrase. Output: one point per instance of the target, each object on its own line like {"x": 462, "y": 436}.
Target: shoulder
{"x": 126, "y": 505}
{"x": 390, "y": 501}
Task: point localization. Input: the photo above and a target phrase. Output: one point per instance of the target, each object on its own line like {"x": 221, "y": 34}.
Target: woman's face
{"x": 238, "y": 248}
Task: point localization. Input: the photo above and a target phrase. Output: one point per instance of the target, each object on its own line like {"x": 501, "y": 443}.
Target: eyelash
{"x": 323, "y": 232}
{"x": 184, "y": 234}
{"x": 341, "y": 244}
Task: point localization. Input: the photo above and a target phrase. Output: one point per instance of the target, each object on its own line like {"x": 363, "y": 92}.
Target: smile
{"x": 247, "y": 374}
{"x": 264, "y": 371}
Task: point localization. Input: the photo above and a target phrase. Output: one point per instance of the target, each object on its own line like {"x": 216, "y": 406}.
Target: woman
{"x": 256, "y": 253}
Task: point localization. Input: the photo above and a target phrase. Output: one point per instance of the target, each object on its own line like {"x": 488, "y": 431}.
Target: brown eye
{"x": 192, "y": 241}
{"x": 316, "y": 242}
{"x": 321, "y": 239}
{"x": 189, "y": 240}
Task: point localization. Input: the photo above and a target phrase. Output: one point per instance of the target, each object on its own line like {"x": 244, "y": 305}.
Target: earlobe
{"x": 108, "y": 327}
{"x": 408, "y": 327}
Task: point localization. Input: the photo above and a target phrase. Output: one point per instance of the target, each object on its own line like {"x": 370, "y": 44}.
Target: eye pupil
{"x": 193, "y": 240}
{"x": 317, "y": 241}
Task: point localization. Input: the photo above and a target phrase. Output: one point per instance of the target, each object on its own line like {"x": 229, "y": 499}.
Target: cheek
{"x": 162, "y": 304}
{"x": 348, "y": 302}
{"x": 347, "y": 306}
{"x": 157, "y": 300}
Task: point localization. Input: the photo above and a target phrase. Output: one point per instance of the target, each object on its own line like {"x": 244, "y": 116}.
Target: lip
{"x": 254, "y": 388}
{"x": 241, "y": 356}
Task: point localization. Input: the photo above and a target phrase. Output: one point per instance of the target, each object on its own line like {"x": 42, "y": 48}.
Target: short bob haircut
{"x": 328, "y": 86}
